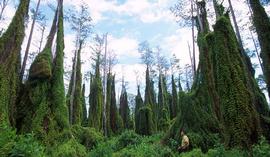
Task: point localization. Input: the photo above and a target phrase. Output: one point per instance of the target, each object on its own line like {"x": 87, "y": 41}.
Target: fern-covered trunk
{"x": 10, "y": 63}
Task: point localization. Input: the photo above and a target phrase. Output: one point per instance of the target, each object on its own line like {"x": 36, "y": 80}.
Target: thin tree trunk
{"x": 193, "y": 38}
{"x": 3, "y": 6}
{"x": 105, "y": 89}
{"x": 29, "y": 43}
{"x": 216, "y": 7}
{"x": 256, "y": 49}
{"x": 71, "y": 101}
{"x": 191, "y": 60}
{"x": 41, "y": 40}
{"x": 199, "y": 17}
{"x": 236, "y": 28}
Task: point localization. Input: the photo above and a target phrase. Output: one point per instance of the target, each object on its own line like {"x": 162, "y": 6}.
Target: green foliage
{"x": 108, "y": 103}
{"x": 95, "y": 99}
{"x": 27, "y": 146}
{"x": 145, "y": 150}
{"x": 84, "y": 110}
{"x": 88, "y": 137}
{"x": 262, "y": 149}
{"x": 131, "y": 144}
{"x": 128, "y": 138}
{"x": 41, "y": 67}
{"x": 146, "y": 126}
{"x": 103, "y": 149}
{"x": 42, "y": 108}
{"x": 58, "y": 107}
{"x": 150, "y": 98}
{"x": 71, "y": 148}
{"x": 7, "y": 139}
{"x": 19, "y": 145}
{"x": 262, "y": 24}
{"x": 240, "y": 117}
{"x": 174, "y": 102}
{"x": 163, "y": 122}
{"x": 75, "y": 116}
{"x": 138, "y": 105}
{"x": 116, "y": 122}
{"x": 164, "y": 105}
{"x": 10, "y": 63}
{"x": 193, "y": 153}
{"x": 124, "y": 108}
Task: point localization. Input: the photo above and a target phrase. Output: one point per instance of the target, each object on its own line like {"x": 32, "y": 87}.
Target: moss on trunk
{"x": 10, "y": 63}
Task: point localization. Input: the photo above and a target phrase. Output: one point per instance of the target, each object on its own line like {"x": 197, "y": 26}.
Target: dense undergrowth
{"x": 90, "y": 143}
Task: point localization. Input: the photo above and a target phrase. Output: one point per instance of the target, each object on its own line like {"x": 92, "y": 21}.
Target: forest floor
{"x": 89, "y": 143}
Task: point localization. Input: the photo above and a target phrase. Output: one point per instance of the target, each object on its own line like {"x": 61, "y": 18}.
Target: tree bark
{"x": 193, "y": 38}
{"x": 105, "y": 90}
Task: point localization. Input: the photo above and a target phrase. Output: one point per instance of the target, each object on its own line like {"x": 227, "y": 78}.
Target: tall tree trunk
{"x": 191, "y": 61}
{"x": 217, "y": 9}
{"x": 58, "y": 108}
{"x": 4, "y": 4}
{"x": 256, "y": 49}
{"x": 41, "y": 39}
{"x": 10, "y": 63}
{"x": 105, "y": 89}
{"x": 193, "y": 37}
{"x": 71, "y": 99}
{"x": 29, "y": 42}
{"x": 262, "y": 24}
{"x": 236, "y": 27}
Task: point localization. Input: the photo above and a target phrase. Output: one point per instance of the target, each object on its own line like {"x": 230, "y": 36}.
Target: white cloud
{"x": 147, "y": 12}
{"x": 123, "y": 46}
{"x": 129, "y": 72}
{"x": 178, "y": 44}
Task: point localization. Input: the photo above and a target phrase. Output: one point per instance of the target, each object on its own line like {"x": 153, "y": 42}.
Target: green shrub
{"x": 262, "y": 149}
{"x": 7, "y": 139}
{"x": 88, "y": 137}
{"x": 173, "y": 144}
{"x": 71, "y": 148}
{"x": 103, "y": 149}
{"x": 128, "y": 138}
{"x": 193, "y": 153}
{"x": 222, "y": 152}
{"x": 27, "y": 146}
{"x": 21, "y": 145}
{"x": 144, "y": 150}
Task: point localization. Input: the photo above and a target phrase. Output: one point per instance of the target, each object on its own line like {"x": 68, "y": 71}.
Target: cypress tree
{"x": 116, "y": 121}
{"x": 145, "y": 126}
{"x": 10, "y": 63}
{"x": 261, "y": 22}
{"x": 59, "y": 109}
{"x": 196, "y": 115}
{"x": 43, "y": 109}
{"x": 95, "y": 98}
{"x": 163, "y": 104}
{"x": 33, "y": 108}
{"x": 174, "y": 101}
{"x": 150, "y": 99}
{"x": 124, "y": 109}
{"x": 138, "y": 105}
{"x": 179, "y": 85}
{"x": 76, "y": 112}
{"x": 84, "y": 110}
{"x": 240, "y": 117}
{"x": 108, "y": 103}
{"x": 148, "y": 93}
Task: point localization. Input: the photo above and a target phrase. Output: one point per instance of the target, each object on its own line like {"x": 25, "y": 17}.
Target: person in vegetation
{"x": 185, "y": 142}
